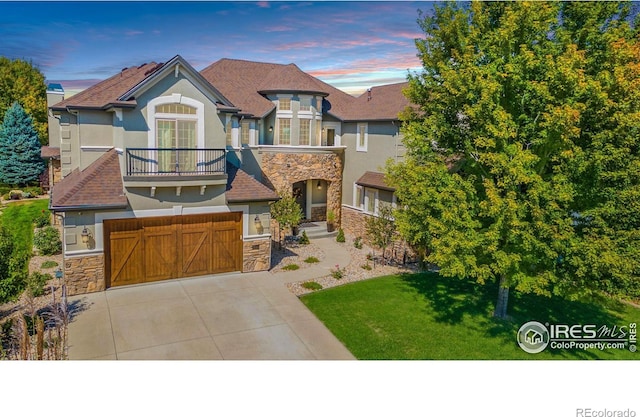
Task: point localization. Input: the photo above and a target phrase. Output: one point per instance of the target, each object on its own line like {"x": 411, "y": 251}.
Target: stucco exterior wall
{"x": 384, "y": 142}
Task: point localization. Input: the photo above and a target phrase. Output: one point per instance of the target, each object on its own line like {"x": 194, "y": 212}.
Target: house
{"x": 169, "y": 172}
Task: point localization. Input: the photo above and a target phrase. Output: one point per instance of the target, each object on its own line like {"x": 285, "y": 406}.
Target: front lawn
{"x": 18, "y": 218}
{"x": 425, "y": 316}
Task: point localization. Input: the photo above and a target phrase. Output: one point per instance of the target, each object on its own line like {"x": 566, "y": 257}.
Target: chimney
{"x": 368, "y": 94}
{"x": 55, "y": 94}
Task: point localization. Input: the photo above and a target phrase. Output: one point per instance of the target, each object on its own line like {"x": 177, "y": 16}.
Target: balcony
{"x": 175, "y": 167}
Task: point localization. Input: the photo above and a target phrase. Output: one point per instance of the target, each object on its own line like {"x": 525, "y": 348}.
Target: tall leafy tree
{"x": 21, "y": 81}
{"x": 606, "y": 167}
{"x": 498, "y": 142}
{"x": 20, "y": 160}
{"x": 286, "y": 212}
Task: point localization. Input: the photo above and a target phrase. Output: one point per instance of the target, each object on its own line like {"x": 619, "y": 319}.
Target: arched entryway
{"x": 311, "y": 195}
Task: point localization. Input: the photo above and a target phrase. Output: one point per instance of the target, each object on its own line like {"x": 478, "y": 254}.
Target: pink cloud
{"x": 263, "y": 4}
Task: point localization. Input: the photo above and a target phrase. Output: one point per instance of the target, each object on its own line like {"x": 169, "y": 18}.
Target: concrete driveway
{"x": 231, "y": 316}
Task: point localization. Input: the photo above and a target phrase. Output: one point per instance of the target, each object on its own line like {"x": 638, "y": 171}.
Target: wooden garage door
{"x": 159, "y": 248}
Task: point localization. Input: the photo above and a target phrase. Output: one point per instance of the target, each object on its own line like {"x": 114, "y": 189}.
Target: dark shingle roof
{"x": 242, "y": 187}
{"x": 379, "y": 103}
{"x": 242, "y": 82}
{"x": 108, "y": 92}
{"x": 374, "y": 180}
{"x": 97, "y": 186}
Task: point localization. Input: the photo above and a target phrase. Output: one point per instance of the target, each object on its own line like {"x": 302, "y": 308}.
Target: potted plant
{"x": 331, "y": 219}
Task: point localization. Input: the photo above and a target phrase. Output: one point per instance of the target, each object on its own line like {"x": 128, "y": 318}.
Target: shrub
{"x": 36, "y": 282}
{"x": 337, "y": 273}
{"x": 357, "y": 243}
{"x": 291, "y": 267}
{"x": 366, "y": 267}
{"x": 44, "y": 219}
{"x": 16, "y": 194}
{"x": 304, "y": 239}
{"x": 312, "y": 260}
{"x": 312, "y": 285}
{"x": 340, "y": 236}
{"x": 47, "y": 240}
{"x": 34, "y": 191}
{"x": 49, "y": 264}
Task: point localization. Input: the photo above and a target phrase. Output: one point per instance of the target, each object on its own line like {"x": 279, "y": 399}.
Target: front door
{"x": 300, "y": 194}
{"x": 331, "y": 137}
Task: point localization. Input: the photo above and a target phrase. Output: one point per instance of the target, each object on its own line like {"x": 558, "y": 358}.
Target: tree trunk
{"x": 503, "y": 299}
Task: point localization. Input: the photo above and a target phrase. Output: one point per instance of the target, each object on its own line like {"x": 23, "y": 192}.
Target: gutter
{"x": 86, "y": 207}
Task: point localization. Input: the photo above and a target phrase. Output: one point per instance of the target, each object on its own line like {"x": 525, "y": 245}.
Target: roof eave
{"x": 87, "y": 207}
{"x": 293, "y": 91}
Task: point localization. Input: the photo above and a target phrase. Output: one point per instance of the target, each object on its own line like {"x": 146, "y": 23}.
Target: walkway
{"x": 231, "y": 316}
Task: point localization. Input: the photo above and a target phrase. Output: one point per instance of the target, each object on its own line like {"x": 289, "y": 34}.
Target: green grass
{"x": 49, "y": 264}
{"x": 18, "y": 218}
{"x": 312, "y": 260}
{"x": 425, "y": 316}
{"x": 312, "y": 285}
{"x": 291, "y": 267}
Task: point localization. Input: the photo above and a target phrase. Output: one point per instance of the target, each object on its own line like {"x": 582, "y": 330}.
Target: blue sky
{"x": 351, "y": 45}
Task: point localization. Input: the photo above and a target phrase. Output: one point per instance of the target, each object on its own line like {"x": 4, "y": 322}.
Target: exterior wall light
{"x": 270, "y": 128}
{"x": 85, "y": 234}
{"x": 319, "y": 185}
{"x": 258, "y": 224}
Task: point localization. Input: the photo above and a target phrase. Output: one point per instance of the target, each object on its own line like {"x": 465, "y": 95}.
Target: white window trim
{"x": 175, "y": 98}
{"x": 280, "y": 111}
{"x": 308, "y": 113}
{"x": 358, "y": 204}
{"x": 276, "y": 137}
{"x": 366, "y": 137}
{"x": 310, "y": 137}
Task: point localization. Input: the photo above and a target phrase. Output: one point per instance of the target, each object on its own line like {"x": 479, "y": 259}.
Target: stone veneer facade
{"x": 84, "y": 274}
{"x": 282, "y": 170}
{"x": 256, "y": 255}
{"x": 353, "y": 224}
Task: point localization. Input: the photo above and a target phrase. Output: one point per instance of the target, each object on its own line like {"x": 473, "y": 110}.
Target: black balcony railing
{"x": 175, "y": 161}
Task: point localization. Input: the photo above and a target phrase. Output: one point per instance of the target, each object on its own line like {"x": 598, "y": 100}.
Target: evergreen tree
{"x": 21, "y": 81}
{"x": 20, "y": 160}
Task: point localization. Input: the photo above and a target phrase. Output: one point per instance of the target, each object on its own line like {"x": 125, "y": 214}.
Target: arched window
{"x": 176, "y": 123}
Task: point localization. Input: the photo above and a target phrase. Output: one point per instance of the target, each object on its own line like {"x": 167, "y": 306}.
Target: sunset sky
{"x": 351, "y": 45}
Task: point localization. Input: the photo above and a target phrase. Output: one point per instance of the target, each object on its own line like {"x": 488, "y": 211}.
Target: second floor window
{"x": 362, "y": 137}
{"x": 305, "y": 131}
{"x": 245, "y": 130}
{"x": 284, "y": 104}
{"x": 284, "y": 131}
{"x": 305, "y": 104}
{"x": 228, "y": 132}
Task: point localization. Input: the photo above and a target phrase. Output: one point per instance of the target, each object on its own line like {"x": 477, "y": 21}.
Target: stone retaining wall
{"x": 256, "y": 255}
{"x": 353, "y": 224}
{"x": 84, "y": 274}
